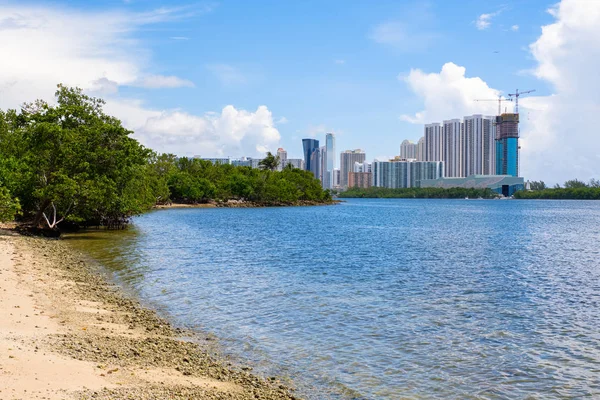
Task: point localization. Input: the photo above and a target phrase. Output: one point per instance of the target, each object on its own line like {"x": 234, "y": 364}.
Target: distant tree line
{"x": 70, "y": 163}
{"x": 418, "y": 193}
{"x": 573, "y": 189}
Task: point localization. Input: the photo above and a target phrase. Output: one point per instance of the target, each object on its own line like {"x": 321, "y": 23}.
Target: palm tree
{"x": 270, "y": 162}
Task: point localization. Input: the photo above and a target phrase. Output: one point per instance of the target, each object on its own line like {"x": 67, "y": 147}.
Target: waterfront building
{"x": 322, "y": 165}
{"x": 216, "y": 160}
{"x": 454, "y": 148}
{"x": 403, "y": 173}
{"x": 434, "y": 142}
{"x": 362, "y": 180}
{"x": 347, "y": 160}
{"x": 295, "y": 162}
{"x": 408, "y": 150}
{"x": 479, "y": 154}
{"x": 507, "y": 144}
{"x": 282, "y": 154}
{"x": 329, "y": 161}
{"x": 421, "y": 150}
{"x": 311, "y": 156}
{"x": 336, "y": 178}
{"x": 502, "y": 184}
{"x": 362, "y": 167}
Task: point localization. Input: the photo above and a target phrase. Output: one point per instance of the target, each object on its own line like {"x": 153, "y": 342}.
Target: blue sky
{"x": 315, "y": 66}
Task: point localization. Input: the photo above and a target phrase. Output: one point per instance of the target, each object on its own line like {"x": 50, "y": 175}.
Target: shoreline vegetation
{"x": 70, "y": 165}
{"x": 65, "y": 332}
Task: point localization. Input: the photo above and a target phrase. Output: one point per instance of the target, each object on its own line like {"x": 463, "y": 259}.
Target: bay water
{"x": 381, "y": 298}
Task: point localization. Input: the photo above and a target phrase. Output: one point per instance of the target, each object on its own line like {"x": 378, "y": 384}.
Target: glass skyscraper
{"x": 311, "y": 156}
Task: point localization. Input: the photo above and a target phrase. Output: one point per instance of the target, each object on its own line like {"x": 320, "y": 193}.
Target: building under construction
{"x": 507, "y": 144}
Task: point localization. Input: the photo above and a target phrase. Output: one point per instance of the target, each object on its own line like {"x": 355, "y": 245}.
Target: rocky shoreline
{"x": 121, "y": 349}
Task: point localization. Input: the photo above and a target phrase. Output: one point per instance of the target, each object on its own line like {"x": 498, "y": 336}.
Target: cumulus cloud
{"x": 514, "y": 28}
{"x": 448, "y": 94}
{"x": 484, "y": 21}
{"x": 559, "y": 137}
{"x": 231, "y": 132}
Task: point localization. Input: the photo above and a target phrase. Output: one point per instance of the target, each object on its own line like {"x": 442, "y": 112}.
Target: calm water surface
{"x": 383, "y": 299}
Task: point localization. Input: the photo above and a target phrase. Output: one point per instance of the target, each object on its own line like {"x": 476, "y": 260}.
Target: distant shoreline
{"x": 245, "y": 204}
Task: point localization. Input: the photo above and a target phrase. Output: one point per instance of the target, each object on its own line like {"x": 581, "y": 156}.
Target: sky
{"x": 239, "y": 78}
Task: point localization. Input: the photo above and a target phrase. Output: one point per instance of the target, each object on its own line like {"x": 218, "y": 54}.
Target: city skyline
{"x": 181, "y": 91}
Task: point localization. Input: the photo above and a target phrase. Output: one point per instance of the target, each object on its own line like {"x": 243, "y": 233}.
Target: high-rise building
{"x": 295, "y": 162}
{"x": 362, "y": 167}
{"x": 401, "y": 173}
{"x": 507, "y": 144}
{"x": 322, "y": 164}
{"x": 408, "y": 150}
{"x": 362, "y": 180}
{"x": 421, "y": 149}
{"x": 454, "y": 148}
{"x": 336, "y": 178}
{"x": 478, "y": 154}
{"x": 329, "y": 161}
{"x": 311, "y": 156}
{"x": 435, "y": 145}
{"x": 282, "y": 154}
{"x": 347, "y": 160}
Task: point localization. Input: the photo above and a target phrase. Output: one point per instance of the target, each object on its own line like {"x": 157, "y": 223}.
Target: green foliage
{"x": 574, "y": 184}
{"x": 537, "y": 185}
{"x": 72, "y": 162}
{"x": 9, "y": 207}
{"x": 270, "y": 162}
{"x": 420, "y": 193}
{"x": 577, "y": 193}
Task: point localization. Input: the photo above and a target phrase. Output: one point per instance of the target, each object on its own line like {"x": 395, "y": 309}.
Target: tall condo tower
{"x": 329, "y": 164}
{"x": 479, "y": 154}
{"x": 421, "y": 149}
{"x": 311, "y": 156}
{"x": 454, "y": 148}
{"x": 347, "y": 160}
{"x": 507, "y": 144}
{"x": 408, "y": 150}
{"x": 434, "y": 142}
{"x": 282, "y": 154}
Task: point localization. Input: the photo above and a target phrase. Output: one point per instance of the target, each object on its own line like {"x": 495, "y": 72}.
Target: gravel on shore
{"x": 141, "y": 355}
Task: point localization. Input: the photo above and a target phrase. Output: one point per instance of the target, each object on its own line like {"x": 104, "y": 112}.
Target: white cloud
{"x": 559, "y": 137}
{"x": 232, "y": 132}
{"x": 179, "y": 38}
{"x": 50, "y": 45}
{"x": 448, "y": 94}
{"x": 227, "y": 74}
{"x": 340, "y": 62}
{"x": 160, "y": 81}
{"x": 514, "y": 28}
{"x": 484, "y": 21}
{"x": 97, "y": 52}
{"x": 282, "y": 120}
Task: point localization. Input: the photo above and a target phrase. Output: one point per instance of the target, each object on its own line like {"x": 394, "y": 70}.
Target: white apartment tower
{"x": 479, "y": 154}
{"x": 282, "y": 154}
{"x": 434, "y": 142}
{"x": 454, "y": 148}
{"x": 421, "y": 149}
{"x": 408, "y": 150}
{"x": 347, "y": 160}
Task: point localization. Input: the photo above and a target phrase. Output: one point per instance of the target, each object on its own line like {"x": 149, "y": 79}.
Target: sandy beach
{"x": 65, "y": 333}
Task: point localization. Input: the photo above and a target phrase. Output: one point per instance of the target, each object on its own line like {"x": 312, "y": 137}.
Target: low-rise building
{"x": 362, "y": 180}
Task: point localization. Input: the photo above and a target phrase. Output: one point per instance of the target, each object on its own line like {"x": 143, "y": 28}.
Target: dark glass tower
{"x": 311, "y": 155}
{"x": 507, "y": 144}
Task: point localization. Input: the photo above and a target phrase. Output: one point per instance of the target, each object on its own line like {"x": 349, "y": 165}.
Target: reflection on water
{"x": 382, "y": 298}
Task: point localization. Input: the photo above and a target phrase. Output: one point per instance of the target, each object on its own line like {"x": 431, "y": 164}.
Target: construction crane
{"x": 500, "y": 100}
{"x": 516, "y": 95}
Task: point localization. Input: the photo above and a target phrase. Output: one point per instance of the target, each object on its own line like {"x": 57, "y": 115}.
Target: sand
{"x": 65, "y": 333}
